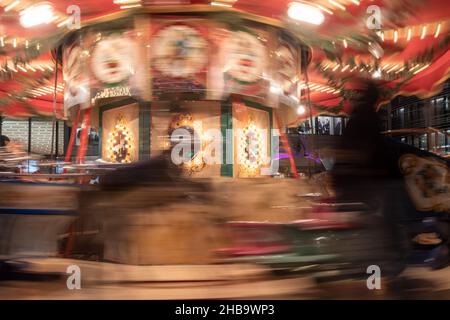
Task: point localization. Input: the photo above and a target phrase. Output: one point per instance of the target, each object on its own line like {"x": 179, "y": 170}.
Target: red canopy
{"x": 403, "y": 40}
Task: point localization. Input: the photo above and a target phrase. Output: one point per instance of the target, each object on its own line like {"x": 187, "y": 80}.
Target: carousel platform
{"x": 101, "y": 280}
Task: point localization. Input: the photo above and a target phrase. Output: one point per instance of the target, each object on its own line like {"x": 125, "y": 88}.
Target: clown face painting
{"x": 113, "y": 59}
{"x": 179, "y": 51}
{"x": 245, "y": 56}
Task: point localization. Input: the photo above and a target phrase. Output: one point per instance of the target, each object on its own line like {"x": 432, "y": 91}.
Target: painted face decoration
{"x": 287, "y": 68}
{"x": 179, "y": 51}
{"x": 113, "y": 59}
{"x": 245, "y": 57}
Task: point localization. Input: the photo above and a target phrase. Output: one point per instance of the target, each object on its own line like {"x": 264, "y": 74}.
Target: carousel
{"x": 220, "y": 83}
{"x": 233, "y": 86}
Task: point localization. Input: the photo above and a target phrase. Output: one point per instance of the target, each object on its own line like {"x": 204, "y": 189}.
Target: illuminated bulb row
{"x": 223, "y": 3}
{"x": 34, "y": 67}
{"x": 409, "y": 33}
{"x": 46, "y": 90}
{"x": 387, "y": 68}
{"x": 15, "y": 43}
{"x": 128, "y": 4}
{"x": 319, "y": 88}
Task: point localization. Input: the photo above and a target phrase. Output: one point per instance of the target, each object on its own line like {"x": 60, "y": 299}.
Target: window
{"x": 323, "y": 125}
{"x": 423, "y": 143}
{"x": 337, "y": 128}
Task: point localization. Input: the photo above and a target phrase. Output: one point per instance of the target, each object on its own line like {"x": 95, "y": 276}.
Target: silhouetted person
{"x": 363, "y": 173}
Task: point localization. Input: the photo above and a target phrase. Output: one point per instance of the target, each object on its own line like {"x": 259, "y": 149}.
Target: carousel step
{"x": 92, "y": 271}
{"x": 257, "y": 289}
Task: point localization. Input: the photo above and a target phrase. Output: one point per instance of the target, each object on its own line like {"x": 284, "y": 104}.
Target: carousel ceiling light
{"x": 41, "y": 13}
{"x": 301, "y": 109}
{"x": 305, "y": 13}
{"x": 126, "y": 1}
{"x": 2, "y": 41}
{"x": 408, "y": 37}
{"x": 421, "y": 69}
{"x": 294, "y": 98}
{"x": 395, "y": 36}
{"x": 355, "y": 2}
{"x": 376, "y": 74}
{"x": 40, "y": 91}
{"x": 64, "y": 22}
{"x": 131, "y": 6}
{"x": 438, "y": 29}
{"x": 345, "y": 68}
{"x": 220, "y": 4}
{"x": 400, "y": 70}
{"x": 22, "y": 68}
{"x": 31, "y": 68}
{"x": 324, "y": 9}
{"x": 336, "y": 4}
{"x": 11, "y": 5}
{"x": 274, "y": 88}
{"x": 345, "y": 43}
{"x": 14, "y": 42}
{"x": 335, "y": 68}
{"x": 424, "y": 32}
{"x": 393, "y": 68}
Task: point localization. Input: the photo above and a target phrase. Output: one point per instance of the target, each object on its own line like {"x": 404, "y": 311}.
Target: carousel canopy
{"x": 403, "y": 44}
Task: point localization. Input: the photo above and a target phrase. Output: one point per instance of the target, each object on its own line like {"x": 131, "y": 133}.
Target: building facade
{"x": 423, "y": 123}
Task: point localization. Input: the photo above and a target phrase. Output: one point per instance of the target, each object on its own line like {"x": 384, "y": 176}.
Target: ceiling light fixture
{"x": 126, "y": 1}
{"x": 131, "y": 6}
{"x": 438, "y": 29}
{"x": 305, "y": 13}
{"x": 41, "y": 13}
{"x": 301, "y": 109}
{"x": 409, "y": 34}
{"x": 421, "y": 69}
{"x": 11, "y": 5}
{"x": 22, "y": 68}
{"x": 376, "y": 74}
{"x": 324, "y": 9}
{"x": 220, "y": 4}
{"x": 424, "y": 32}
{"x": 336, "y": 4}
